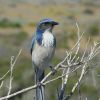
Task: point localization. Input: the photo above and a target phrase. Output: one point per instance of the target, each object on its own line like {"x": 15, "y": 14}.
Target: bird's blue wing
{"x": 32, "y": 44}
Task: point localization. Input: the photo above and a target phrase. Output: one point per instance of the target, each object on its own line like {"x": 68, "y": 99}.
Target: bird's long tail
{"x": 40, "y": 93}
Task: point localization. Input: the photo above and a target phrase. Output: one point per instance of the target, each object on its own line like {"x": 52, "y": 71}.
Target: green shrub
{"x": 88, "y": 11}
{"x": 15, "y": 38}
{"x": 33, "y": 24}
{"x": 4, "y": 23}
{"x": 62, "y": 41}
{"x": 19, "y": 37}
{"x": 93, "y": 30}
{"x": 4, "y": 65}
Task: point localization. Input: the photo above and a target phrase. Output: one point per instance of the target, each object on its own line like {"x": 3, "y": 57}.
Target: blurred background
{"x": 18, "y": 20}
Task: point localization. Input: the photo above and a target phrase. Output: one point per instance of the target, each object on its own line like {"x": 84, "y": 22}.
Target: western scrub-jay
{"x": 42, "y": 51}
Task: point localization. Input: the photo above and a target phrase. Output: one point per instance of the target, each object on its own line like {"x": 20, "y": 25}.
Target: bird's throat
{"x": 48, "y": 39}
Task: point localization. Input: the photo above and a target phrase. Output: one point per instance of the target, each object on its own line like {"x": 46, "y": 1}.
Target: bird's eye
{"x": 48, "y": 24}
{"x": 45, "y": 25}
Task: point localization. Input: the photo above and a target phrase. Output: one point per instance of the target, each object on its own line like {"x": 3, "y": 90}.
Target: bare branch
{"x": 4, "y": 75}
{"x": 78, "y": 42}
{"x": 85, "y": 50}
{"x": 1, "y": 84}
{"x": 11, "y": 74}
{"x": 19, "y": 92}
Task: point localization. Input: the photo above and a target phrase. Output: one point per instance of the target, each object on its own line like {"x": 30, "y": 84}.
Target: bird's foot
{"x": 53, "y": 70}
{"x": 39, "y": 84}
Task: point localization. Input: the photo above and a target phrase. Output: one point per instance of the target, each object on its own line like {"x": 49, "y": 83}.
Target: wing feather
{"x": 32, "y": 44}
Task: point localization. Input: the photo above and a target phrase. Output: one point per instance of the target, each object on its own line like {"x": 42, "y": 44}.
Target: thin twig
{"x": 4, "y": 75}
{"x": 1, "y": 84}
{"x": 85, "y": 50}
{"x": 19, "y": 92}
{"x": 78, "y": 43}
{"x": 11, "y": 76}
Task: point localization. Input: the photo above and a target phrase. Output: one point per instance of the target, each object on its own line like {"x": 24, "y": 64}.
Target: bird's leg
{"x": 40, "y": 84}
{"x": 53, "y": 70}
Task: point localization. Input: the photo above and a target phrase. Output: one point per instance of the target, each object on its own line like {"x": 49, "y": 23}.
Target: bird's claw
{"x": 39, "y": 84}
{"x": 53, "y": 70}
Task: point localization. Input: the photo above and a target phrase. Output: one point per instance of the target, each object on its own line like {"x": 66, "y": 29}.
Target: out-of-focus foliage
{"x": 4, "y": 23}
{"x": 94, "y": 30}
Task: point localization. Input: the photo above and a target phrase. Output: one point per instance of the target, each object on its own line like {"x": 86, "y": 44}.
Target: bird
{"x": 42, "y": 50}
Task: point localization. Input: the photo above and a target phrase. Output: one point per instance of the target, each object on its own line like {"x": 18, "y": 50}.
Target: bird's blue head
{"x": 46, "y": 24}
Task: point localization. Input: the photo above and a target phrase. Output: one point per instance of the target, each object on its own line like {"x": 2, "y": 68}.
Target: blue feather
{"x": 46, "y": 20}
{"x": 39, "y": 37}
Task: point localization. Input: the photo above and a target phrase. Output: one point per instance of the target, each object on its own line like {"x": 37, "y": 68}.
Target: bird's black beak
{"x": 55, "y": 23}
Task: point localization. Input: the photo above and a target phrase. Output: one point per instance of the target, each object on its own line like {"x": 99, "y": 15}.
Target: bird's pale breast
{"x": 41, "y": 56}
